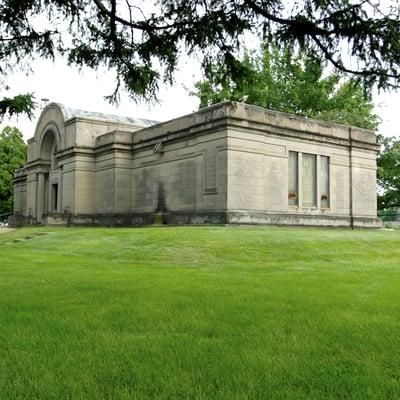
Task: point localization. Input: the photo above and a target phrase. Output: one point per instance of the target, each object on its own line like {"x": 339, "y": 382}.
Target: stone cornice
{"x": 37, "y": 163}
{"x": 74, "y": 151}
{"x": 20, "y": 175}
{"x": 253, "y": 116}
{"x": 112, "y": 148}
{"x": 225, "y": 122}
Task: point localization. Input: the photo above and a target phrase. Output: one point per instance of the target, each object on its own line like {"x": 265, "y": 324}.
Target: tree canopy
{"x": 142, "y": 43}
{"x": 22, "y": 103}
{"x": 389, "y": 173}
{"x": 12, "y": 156}
{"x": 279, "y": 80}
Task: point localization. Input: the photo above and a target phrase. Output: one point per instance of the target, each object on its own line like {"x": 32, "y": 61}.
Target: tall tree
{"x": 142, "y": 43}
{"x": 389, "y": 173}
{"x": 279, "y": 80}
{"x": 12, "y": 156}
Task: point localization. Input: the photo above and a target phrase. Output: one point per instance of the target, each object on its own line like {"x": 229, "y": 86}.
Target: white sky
{"x": 86, "y": 90}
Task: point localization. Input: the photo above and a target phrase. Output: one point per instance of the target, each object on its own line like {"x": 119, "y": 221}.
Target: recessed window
{"x": 325, "y": 201}
{"x": 293, "y": 195}
{"x": 307, "y": 186}
{"x": 309, "y": 169}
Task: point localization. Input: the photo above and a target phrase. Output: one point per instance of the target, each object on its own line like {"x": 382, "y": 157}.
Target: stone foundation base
{"x": 17, "y": 220}
{"x": 258, "y": 218}
{"x": 201, "y": 218}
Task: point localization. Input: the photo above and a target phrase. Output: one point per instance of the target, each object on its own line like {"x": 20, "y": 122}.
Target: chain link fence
{"x": 390, "y": 217}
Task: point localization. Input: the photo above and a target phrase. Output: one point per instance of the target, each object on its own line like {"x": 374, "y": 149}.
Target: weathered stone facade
{"x": 229, "y": 163}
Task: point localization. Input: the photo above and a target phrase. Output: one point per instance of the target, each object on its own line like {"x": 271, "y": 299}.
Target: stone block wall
{"x": 188, "y": 176}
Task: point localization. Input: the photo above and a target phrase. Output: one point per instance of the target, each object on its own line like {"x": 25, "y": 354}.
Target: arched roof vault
{"x": 55, "y": 117}
{"x": 51, "y": 123}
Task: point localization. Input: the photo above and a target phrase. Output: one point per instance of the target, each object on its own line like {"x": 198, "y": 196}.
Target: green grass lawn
{"x": 200, "y": 313}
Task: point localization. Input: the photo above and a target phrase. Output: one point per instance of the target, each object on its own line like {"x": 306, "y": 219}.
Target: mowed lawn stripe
{"x": 190, "y": 312}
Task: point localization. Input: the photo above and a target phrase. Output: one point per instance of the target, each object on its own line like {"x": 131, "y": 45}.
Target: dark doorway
{"x": 54, "y": 196}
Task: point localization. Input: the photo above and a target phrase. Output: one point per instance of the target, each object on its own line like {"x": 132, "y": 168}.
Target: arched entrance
{"x": 48, "y": 183}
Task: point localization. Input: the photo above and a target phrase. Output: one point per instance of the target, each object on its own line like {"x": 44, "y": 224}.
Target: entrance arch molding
{"x": 51, "y": 120}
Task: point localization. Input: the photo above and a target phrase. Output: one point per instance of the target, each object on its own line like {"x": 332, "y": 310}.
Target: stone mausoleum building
{"x": 230, "y": 163}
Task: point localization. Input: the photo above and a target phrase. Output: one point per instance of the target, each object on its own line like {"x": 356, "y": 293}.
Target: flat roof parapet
{"x": 230, "y": 113}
